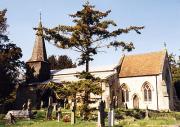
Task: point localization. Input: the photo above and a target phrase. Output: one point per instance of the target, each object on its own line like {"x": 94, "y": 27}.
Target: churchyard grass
{"x": 53, "y": 123}
{"x": 148, "y": 122}
{"x": 172, "y": 118}
{"x": 1, "y": 120}
{"x": 40, "y": 121}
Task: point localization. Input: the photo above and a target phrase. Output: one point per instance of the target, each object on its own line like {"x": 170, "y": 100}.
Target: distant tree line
{"x": 60, "y": 62}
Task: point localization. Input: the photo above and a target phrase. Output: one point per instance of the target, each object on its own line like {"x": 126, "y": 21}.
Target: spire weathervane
{"x": 40, "y": 16}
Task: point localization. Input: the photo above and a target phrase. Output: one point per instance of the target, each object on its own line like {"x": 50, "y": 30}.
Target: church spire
{"x": 39, "y": 50}
{"x": 38, "y": 63}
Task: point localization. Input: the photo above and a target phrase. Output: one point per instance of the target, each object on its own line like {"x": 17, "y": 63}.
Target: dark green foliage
{"x": 10, "y": 62}
{"x": 175, "y": 70}
{"x": 60, "y": 62}
{"x": 29, "y": 73}
{"x": 135, "y": 113}
{"x": 80, "y": 89}
{"x": 89, "y": 34}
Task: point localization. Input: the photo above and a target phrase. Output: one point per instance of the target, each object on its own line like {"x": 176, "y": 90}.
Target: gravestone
{"x": 41, "y": 105}
{"x": 126, "y": 107}
{"x": 29, "y": 105}
{"x": 73, "y": 112}
{"x": 12, "y": 119}
{"x": 54, "y": 106}
{"x": 111, "y": 116}
{"x": 49, "y": 109}
{"x": 50, "y": 102}
{"x": 18, "y": 114}
{"x": 24, "y": 107}
{"x": 147, "y": 113}
{"x": 101, "y": 114}
{"x": 59, "y": 114}
{"x": 65, "y": 103}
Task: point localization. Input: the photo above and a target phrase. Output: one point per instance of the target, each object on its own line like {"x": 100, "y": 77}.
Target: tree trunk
{"x": 87, "y": 65}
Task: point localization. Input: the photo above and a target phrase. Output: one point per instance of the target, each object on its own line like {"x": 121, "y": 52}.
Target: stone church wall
{"x": 135, "y": 88}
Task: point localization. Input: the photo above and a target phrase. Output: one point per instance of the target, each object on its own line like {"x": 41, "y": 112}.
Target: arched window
{"x": 147, "y": 92}
{"x": 125, "y": 93}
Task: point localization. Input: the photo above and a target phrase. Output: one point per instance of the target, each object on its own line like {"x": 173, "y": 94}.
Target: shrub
{"x": 136, "y": 113}
{"x": 66, "y": 118}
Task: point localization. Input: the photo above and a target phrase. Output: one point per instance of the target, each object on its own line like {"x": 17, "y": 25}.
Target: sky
{"x": 161, "y": 19}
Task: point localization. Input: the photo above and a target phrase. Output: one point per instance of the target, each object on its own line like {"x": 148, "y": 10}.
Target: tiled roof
{"x": 142, "y": 64}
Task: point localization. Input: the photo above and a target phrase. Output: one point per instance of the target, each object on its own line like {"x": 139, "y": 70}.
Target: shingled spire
{"x": 39, "y": 50}
{"x": 38, "y": 62}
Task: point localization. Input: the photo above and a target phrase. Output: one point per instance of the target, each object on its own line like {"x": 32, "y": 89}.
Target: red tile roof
{"x": 142, "y": 64}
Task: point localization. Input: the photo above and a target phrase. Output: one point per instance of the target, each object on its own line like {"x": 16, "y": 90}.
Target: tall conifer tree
{"x": 90, "y": 33}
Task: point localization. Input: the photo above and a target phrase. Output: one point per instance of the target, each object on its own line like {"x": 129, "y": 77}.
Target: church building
{"x": 146, "y": 81}
{"x": 137, "y": 81}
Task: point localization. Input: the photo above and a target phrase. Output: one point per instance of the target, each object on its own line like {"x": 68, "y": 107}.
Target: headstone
{"x": 54, "y": 107}
{"x": 49, "y": 112}
{"x": 111, "y": 116}
{"x": 147, "y": 113}
{"x": 73, "y": 111}
{"x": 24, "y": 107}
{"x": 50, "y": 109}
{"x": 29, "y": 105}
{"x": 18, "y": 114}
{"x": 12, "y": 119}
{"x": 65, "y": 103}
{"x": 126, "y": 107}
{"x": 41, "y": 105}
{"x": 59, "y": 114}
{"x": 50, "y": 101}
{"x": 101, "y": 114}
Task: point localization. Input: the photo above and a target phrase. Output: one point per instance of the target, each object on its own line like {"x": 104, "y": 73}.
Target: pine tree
{"x": 90, "y": 33}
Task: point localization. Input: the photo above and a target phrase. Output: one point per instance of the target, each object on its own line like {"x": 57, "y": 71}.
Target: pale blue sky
{"x": 161, "y": 19}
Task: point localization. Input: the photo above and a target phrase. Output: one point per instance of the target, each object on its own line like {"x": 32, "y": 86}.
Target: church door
{"x": 135, "y": 102}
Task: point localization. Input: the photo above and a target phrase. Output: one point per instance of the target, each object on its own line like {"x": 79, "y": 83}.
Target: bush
{"x": 155, "y": 114}
{"x": 66, "y": 118}
{"x": 136, "y": 113}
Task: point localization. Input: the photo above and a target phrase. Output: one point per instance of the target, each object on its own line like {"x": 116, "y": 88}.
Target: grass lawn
{"x": 40, "y": 121}
{"x": 122, "y": 123}
{"x": 156, "y": 121}
{"x": 52, "y": 123}
{"x": 149, "y": 123}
